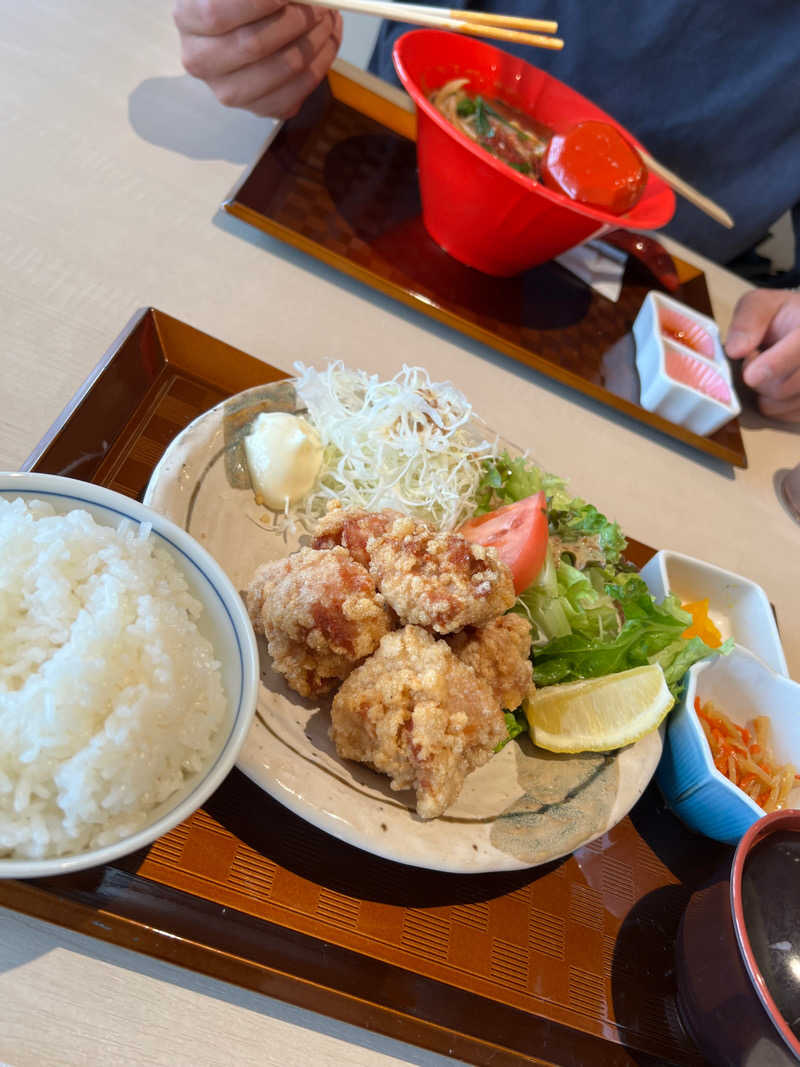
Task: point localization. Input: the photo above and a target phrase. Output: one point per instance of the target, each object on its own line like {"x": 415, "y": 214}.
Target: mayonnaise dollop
{"x": 284, "y": 455}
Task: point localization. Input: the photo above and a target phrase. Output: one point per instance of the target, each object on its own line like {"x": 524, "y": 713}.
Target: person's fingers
{"x": 750, "y": 322}
{"x": 288, "y": 100}
{"x": 214, "y": 57}
{"x": 250, "y": 85}
{"x": 277, "y": 85}
{"x": 787, "y": 410}
{"x": 769, "y": 371}
{"x": 212, "y": 18}
{"x": 787, "y": 317}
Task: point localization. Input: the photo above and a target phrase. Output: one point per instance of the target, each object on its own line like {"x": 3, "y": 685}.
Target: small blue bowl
{"x": 741, "y": 687}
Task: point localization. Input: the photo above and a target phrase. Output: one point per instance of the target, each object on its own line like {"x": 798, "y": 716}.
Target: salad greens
{"x": 592, "y": 613}
{"x": 516, "y": 724}
{"x": 650, "y": 633}
{"x": 564, "y": 601}
{"x": 506, "y": 480}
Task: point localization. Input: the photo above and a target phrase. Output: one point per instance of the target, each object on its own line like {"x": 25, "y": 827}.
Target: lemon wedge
{"x": 598, "y": 714}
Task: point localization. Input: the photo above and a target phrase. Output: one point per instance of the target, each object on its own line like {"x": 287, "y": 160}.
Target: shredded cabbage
{"x": 406, "y": 443}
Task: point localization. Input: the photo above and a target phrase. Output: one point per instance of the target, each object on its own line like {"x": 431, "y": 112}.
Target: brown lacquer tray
{"x": 571, "y": 963}
{"x": 339, "y": 182}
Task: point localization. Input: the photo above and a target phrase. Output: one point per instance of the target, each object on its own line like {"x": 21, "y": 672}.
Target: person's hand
{"x": 265, "y": 56}
{"x": 765, "y": 333}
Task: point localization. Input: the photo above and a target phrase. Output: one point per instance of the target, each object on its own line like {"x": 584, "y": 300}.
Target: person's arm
{"x": 765, "y": 333}
{"x": 265, "y": 56}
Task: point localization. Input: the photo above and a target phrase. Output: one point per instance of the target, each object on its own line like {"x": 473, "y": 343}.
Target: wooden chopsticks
{"x": 687, "y": 191}
{"x": 533, "y": 32}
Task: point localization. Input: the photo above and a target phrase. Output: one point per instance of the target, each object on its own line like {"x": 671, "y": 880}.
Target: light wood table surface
{"x": 112, "y": 164}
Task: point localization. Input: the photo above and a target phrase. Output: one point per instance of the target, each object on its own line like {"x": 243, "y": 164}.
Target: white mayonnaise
{"x": 284, "y": 455}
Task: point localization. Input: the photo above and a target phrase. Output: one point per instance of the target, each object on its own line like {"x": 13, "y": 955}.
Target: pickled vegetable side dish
{"x": 745, "y": 756}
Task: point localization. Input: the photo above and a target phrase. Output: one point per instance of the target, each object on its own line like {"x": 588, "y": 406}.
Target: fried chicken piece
{"x": 321, "y": 615}
{"x": 439, "y": 580}
{"x": 352, "y": 528}
{"x": 499, "y": 653}
{"x": 413, "y": 711}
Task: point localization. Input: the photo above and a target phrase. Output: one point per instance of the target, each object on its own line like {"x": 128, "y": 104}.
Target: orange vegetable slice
{"x": 701, "y": 625}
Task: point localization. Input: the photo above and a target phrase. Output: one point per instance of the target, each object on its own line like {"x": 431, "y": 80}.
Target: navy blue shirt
{"x": 710, "y": 87}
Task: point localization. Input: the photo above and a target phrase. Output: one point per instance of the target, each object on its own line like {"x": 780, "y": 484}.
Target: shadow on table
{"x": 643, "y": 966}
{"x": 643, "y": 986}
{"x": 315, "y": 855}
{"x": 182, "y": 115}
{"x": 691, "y": 858}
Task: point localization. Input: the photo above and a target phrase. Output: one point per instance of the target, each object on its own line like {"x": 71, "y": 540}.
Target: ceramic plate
{"x": 523, "y": 808}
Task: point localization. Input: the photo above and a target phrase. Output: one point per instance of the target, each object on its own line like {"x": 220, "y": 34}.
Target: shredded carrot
{"x": 745, "y": 756}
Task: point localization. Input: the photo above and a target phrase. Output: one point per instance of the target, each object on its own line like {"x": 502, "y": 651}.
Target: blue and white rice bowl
{"x": 226, "y": 644}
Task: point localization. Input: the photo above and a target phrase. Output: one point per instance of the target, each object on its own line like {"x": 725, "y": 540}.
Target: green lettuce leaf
{"x": 507, "y": 480}
{"x": 564, "y": 600}
{"x": 596, "y": 621}
{"x": 516, "y": 724}
{"x": 584, "y": 520}
{"x": 651, "y": 633}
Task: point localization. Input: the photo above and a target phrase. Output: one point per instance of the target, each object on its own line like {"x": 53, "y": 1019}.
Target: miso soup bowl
{"x": 724, "y": 1001}
{"x": 478, "y": 209}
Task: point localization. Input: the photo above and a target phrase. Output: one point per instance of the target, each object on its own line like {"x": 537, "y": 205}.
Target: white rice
{"x": 110, "y": 697}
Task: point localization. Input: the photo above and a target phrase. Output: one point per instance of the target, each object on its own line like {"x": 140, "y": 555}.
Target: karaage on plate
{"x": 321, "y": 615}
{"x": 438, "y": 580}
{"x": 499, "y": 653}
{"x": 423, "y": 710}
{"x": 352, "y": 528}
{"x": 415, "y": 712}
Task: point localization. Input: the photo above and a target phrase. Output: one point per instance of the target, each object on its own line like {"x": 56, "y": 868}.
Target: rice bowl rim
{"x": 213, "y": 586}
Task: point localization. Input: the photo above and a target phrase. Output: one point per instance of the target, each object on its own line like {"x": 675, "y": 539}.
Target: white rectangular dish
{"x": 738, "y": 607}
{"x": 683, "y": 371}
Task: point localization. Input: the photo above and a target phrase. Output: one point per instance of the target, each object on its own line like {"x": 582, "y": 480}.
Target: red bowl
{"x": 481, "y": 211}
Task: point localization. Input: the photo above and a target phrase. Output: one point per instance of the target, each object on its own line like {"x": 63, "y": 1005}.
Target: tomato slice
{"x": 518, "y": 532}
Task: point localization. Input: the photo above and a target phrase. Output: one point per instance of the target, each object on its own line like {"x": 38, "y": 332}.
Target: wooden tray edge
{"x": 90, "y": 915}
{"x": 72, "y": 406}
{"x": 112, "y": 913}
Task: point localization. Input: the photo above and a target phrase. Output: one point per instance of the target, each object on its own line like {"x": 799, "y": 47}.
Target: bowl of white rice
{"x": 128, "y": 675}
